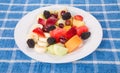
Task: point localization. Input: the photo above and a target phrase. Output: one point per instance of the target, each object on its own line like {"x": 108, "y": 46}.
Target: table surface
{"x": 106, "y": 59}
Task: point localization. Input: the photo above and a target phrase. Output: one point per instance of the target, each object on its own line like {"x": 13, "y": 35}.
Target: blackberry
{"x": 30, "y": 43}
{"x": 51, "y": 40}
{"x": 85, "y": 35}
{"x": 46, "y": 14}
{"x": 51, "y": 28}
{"x": 66, "y": 16}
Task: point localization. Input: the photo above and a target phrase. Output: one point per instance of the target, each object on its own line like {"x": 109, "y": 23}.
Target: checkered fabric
{"x": 106, "y": 59}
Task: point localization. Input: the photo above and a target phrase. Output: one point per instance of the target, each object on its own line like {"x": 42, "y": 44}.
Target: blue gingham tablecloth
{"x": 106, "y": 59}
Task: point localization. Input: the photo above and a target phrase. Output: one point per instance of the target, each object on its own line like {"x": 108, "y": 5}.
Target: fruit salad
{"x": 57, "y": 32}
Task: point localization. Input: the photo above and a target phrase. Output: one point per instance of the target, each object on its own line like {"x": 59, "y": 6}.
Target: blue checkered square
{"x": 42, "y": 67}
{"x": 3, "y": 67}
{"x": 85, "y": 68}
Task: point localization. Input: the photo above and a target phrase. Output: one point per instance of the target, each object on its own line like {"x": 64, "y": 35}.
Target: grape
{"x": 62, "y": 12}
{"x": 45, "y": 29}
{"x": 61, "y": 25}
{"x": 62, "y": 39}
{"x": 67, "y": 22}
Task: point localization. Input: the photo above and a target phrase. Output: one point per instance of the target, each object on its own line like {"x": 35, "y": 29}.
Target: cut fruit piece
{"x": 78, "y": 23}
{"x": 78, "y": 17}
{"x": 73, "y": 43}
{"x": 43, "y": 44}
{"x": 40, "y": 49}
{"x": 71, "y": 32}
{"x": 81, "y": 30}
{"x": 41, "y": 21}
{"x": 43, "y": 39}
{"x": 39, "y": 32}
{"x": 50, "y": 49}
{"x": 51, "y": 21}
{"x": 56, "y": 33}
{"x": 67, "y": 28}
{"x": 60, "y": 50}
{"x": 47, "y": 35}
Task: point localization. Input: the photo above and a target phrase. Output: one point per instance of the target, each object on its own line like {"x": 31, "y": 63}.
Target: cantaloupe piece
{"x": 73, "y": 43}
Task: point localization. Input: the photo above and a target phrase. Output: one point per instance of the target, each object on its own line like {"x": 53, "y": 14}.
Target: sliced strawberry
{"x": 78, "y": 17}
{"x": 39, "y": 32}
{"x": 81, "y": 30}
{"x": 41, "y": 21}
{"x": 71, "y": 32}
{"x": 51, "y": 21}
{"x": 57, "y": 33}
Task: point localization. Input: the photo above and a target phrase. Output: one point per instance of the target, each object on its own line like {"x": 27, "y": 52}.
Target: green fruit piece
{"x": 51, "y": 49}
{"x": 60, "y": 50}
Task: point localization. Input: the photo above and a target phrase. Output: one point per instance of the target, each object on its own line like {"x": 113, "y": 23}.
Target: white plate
{"x": 90, "y": 45}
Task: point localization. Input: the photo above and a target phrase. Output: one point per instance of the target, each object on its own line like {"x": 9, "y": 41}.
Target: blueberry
{"x": 66, "y": 16}
{"x": 46, "y": 14}
{"x": 85, "y": 35}
{"x": 51, "y": 40}
{"x": 51, "y": 28}
{"x": 31, "y": 43}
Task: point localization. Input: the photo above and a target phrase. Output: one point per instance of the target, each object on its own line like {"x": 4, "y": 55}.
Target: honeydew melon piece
{"x": 60, "y": 50}
{"x": 50, "y": 49}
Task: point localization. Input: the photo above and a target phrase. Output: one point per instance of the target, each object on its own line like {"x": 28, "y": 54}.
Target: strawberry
{"x": 57, "y": 33}
{"x": 78, "y": 17}
{"x": 39, "y": 32}
{"x": 41, "y": 21}
{"x": 71, "y": 32}
{"x": 81, "y": 30}
{"x": 51, "y": 21}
